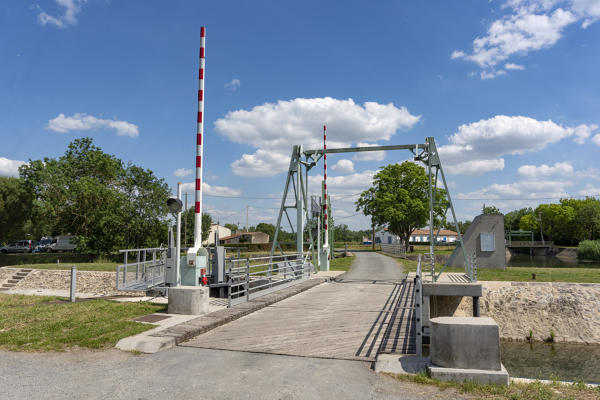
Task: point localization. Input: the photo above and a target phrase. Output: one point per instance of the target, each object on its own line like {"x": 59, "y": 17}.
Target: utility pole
{"x": 247, "y": 230}
{"x": 541, "y": 231}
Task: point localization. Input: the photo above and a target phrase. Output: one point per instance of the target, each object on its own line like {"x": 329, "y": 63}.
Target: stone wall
{"x": 570, "y": 310}
{"x": 89, "y": 282}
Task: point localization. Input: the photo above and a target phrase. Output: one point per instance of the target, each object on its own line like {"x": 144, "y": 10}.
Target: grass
{"x": 95, "y": 266}
{"x": 514, "y": 391}
{"x": 341, "y": 264}
{"x": 29, "y": 323}
{"x": 523, "y": 274}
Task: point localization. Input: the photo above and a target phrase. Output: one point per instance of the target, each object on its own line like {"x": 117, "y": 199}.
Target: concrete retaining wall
{"x": 570, "y": 310}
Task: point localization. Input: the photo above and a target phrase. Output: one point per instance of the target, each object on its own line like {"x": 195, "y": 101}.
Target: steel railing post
{"x": 247, "y": 279}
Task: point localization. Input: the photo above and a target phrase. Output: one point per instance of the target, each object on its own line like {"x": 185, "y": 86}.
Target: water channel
{"x": 566, "y": 362}
{"x": 524, "y": 260}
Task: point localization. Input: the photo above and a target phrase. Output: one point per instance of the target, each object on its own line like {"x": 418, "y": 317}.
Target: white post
{"x": 178, "y": 243}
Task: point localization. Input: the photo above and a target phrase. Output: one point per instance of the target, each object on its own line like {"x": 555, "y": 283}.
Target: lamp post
{"x": 175, "y": 205}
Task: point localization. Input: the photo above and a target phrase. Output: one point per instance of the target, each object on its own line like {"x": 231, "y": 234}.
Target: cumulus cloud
{"x": 529, "y": 25}
{"x": 181, "y": 172}
{"x": 233, "y": 84}
{"x": 272, "y": 128}
{"x": 10, "y": 167}
{"x": 533, "y": 171}
{"x": 211, "y": 190}
{"x": 70, "y": 10}
{"x": 525, "y": 189}
{"x": 84, "y": 122}
{"x": 368, "y": 155}
{"x": 511, "y": 66}
{"x": 596, "y": 140}
{"x": 344, "y": 167}
{"x": 483, "y": 143}
{"x": 590, "y": 190}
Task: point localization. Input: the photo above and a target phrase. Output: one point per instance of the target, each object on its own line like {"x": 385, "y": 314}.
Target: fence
{"x": 396, "y": 250}
{"x": 418, "y": 308}
{"x": 250, "y": 278}
{"x": 148, "y": 269}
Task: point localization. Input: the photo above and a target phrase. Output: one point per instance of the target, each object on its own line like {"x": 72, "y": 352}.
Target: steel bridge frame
{"x": 303, "y": 161}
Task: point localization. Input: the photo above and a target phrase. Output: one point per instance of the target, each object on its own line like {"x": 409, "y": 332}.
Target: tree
{"x": 463, "y": 226}
{"x": 587, "y": 218}
{"x": 15, "y": 209}
{"x": 493, "y": 210}
{"x": 232, "y": 227}
{"x": 399, "y": 199}
{"x": 554, "y": 216}
{"x": 94, "y": 196}
{"x": 188, "y": 217}
{"x": 269, "y": 229}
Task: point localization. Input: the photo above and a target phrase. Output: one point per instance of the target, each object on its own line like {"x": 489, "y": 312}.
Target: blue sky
{"x": 509, "y": 89}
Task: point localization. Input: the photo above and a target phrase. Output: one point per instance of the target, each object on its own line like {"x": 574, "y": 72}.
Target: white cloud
{"x": 488, "y": 140}
{"x": 526, "y": 189}
{"x": 233, "y": 84}
{"x": 344, "y": 167}
{"x": 181, "y": 172}
{"x": 211, "y": 190}
{"x": 69, "y": 18}
{"x": 475, "y": 167}
{"x": 530, "y": 25}
{"x": 10, "y": 167}
{"x": 559, "y": 168}
{"x": 84, "y": 122}
{"x": 596, "y": 140}
{"x": 511, "y": 66}
{"x": 589, "y": 190}
{"x": 368, "y": 155}
{"x": 491, "y": 74}
{"x": 272, "y": 128}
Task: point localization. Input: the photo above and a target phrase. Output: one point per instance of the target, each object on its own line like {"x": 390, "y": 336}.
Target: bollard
{"x": 73, "y": 282}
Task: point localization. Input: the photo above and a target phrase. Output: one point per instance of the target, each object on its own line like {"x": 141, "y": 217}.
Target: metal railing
{"x": 471, "y": 267}
{"x": 250, "y": 278}
{"x": 418, "y": 309}
{"x": 523, "y": 243}
{"x": 396, "y": 250}
{"x": 147, "y": 270}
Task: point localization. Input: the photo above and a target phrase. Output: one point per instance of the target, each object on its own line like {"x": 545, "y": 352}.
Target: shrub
{"x": 589, "y": 250}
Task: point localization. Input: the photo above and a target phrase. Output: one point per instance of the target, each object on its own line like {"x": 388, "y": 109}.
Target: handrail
{"x": 418, "y": 309}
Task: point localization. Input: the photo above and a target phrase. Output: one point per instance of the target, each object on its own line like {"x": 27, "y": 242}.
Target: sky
{"x": 509, "y": 89}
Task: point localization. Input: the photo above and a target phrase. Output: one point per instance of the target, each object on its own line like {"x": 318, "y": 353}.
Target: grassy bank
{"x": 31, "y": 323}
{"x": 514, "y": 391}
{"x": 341, "y": 263}
{"x": 524, "y": 274}
{"x": 589, "y": 250}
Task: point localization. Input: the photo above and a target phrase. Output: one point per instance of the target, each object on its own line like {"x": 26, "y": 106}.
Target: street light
{"x": 175, "y": 205}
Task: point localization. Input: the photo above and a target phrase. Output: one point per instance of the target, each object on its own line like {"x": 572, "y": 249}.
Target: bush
{"x": 589, "y": 250}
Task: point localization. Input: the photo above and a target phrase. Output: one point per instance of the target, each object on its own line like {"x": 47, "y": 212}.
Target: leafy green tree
{"x": 587, "y": 218}
{"x": 269, "y": 229}
{"x": 399, "y": 199}
{"x": 232, "y": 227}
{"x": 513, "y": 218}
{"x": 529, "y": 222}
{"x": 15, "y": 209}
{"x": 554, "y": 216}
{"x": 187, "y": 217}
{"x": 491, "y": 210}
{"x": 463, "y": 226}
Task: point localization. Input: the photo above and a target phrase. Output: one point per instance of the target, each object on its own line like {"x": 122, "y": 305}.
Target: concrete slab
{"x": 188, "y": 300}
{"x": 452, "y": 289}
{"x": 474, "y": 375}
{"x": 401, "y": 364}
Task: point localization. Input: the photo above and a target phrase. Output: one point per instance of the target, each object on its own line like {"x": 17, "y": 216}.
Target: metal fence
{"x": 521, "y": 243}
{"x": 141, "y": 268}
{"x": 396, "y": 250}
{"x": 418, "y": 308}
{"x": 250, "y": 278}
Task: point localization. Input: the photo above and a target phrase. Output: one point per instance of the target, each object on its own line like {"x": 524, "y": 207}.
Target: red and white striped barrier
{"x": 199, "y": 145}
{"x": 325, "y": 224}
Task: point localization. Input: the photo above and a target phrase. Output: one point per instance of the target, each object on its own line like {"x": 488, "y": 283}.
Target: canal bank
{"x": 563, "y": 312}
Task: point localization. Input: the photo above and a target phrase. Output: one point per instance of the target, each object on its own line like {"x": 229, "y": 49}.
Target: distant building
{"x": 385, "y": 237}
{"x": 444, "y": 236}
{"x": 223, "y": 232}
{"x": 246, "y": 237}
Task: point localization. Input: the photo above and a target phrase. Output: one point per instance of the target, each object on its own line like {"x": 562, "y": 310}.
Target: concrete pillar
{"x": 475, "y": 306}
{"x": 188, "y": 300}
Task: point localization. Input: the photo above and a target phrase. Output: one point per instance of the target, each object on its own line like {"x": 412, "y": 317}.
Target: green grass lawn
{"x": 341, "y": 264}
{"x": 523, "y": 274}
{"x": 97, "y": 266}
{"x": 29, "y": 323}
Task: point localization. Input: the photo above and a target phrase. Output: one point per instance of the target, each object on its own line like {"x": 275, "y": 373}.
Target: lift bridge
{"x": 236, "y": 279}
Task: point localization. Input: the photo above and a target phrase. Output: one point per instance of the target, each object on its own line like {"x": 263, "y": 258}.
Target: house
{"x": 246, "y": 237}
{"x": 444, "y": 236}
{"x": 385, "y": 237}
{"x": 223, "y": 232}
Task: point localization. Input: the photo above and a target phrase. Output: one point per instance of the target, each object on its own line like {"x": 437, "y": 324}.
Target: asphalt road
{"x": 373, "y": 267}
{"x": 191, "y": 373}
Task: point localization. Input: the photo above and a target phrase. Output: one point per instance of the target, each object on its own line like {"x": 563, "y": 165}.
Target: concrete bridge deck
{"x": 369, "y": 310}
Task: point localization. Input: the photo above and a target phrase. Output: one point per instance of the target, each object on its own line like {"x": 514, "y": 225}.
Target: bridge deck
{"x": 352, "y": 320}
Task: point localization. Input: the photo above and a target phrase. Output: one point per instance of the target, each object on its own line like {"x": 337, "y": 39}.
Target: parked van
{"x": 62, "y": 243}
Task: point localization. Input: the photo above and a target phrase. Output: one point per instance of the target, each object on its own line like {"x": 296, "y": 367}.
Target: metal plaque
{"x": 487, "y": 241}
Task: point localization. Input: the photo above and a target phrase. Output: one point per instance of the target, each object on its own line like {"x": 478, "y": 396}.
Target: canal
{"x": 523, "y": 260}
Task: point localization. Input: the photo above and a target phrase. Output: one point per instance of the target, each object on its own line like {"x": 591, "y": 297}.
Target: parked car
{"x": 20, "y": 246}
{"x": 42, "y": 245}
{"x": 62, "y": 243}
